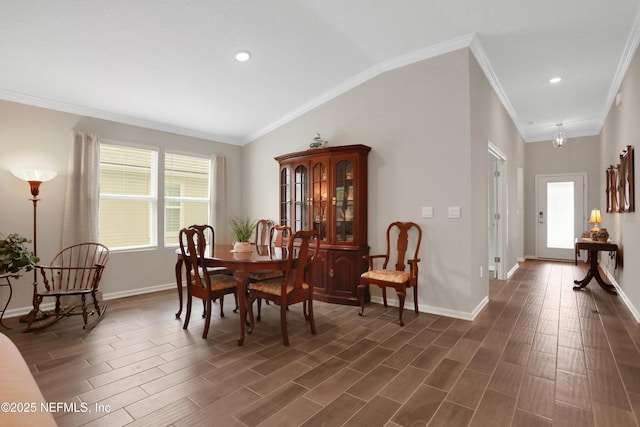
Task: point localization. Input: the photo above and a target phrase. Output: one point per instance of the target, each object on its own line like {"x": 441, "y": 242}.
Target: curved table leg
{"x": 242, "y": 277}
{"x": 179, "y": 285}
{"x": 594, "y": 272}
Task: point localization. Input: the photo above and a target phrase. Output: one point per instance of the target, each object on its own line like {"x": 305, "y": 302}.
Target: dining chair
{"x": 395, "y": 276}
{"x": 209, "y": 236}
{"x": 201, "y": 284}
{"x": 74, "y": 271}
{"x": 278, "y": 237}
{"x": 294, "y": 286}
{"x": 263, "y": 227}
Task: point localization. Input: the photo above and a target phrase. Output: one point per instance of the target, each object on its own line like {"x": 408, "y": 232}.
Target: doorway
{"x": 560, "y": 210}
{"x": 497, "y": 216}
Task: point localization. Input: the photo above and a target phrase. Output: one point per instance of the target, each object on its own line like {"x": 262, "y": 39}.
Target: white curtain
{"x": 219, "y": 203}
{"x": 80, "y": 220}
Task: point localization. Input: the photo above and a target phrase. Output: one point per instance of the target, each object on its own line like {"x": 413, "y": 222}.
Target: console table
{"x": 594, "y": 247}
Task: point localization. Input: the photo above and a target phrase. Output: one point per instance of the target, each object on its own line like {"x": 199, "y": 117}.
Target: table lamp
{"x": 595, "y": 219}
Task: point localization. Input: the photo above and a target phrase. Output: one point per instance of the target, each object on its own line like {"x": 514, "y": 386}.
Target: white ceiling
{"x": 169, "y": 64}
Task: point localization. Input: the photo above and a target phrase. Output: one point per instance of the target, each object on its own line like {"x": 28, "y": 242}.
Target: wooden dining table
{"x": 241, "y": 264}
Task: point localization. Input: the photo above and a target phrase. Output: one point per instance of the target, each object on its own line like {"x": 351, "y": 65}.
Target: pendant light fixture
{"x": 559, "y": 138}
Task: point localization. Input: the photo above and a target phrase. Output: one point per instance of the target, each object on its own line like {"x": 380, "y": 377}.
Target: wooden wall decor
{"x": 612, "y": 189}
{"x": 620, "y": 184}
{"x": 626, "y": 180}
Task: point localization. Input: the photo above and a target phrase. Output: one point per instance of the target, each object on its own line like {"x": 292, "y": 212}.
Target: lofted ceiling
{"x": 169, "y": 64}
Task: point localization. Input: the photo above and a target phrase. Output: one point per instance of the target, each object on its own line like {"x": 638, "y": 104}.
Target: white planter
{"x": 242, "y": 247}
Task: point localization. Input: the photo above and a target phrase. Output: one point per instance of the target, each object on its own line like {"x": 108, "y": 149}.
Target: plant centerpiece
{"x": 242, "y": 229}
{"x": 15, "y": 256}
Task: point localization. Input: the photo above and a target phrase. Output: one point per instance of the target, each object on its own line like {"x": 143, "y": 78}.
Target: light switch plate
{"x": 454, "y": 211}
{"x": 427, "y": 212}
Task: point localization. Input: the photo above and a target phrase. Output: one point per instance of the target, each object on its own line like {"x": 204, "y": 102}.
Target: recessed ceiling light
{"x": 243, "y": 56}
{"x": 555, "y": 80}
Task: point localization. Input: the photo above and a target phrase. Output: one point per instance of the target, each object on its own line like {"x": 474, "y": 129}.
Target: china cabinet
{"x": 325, "y": 189}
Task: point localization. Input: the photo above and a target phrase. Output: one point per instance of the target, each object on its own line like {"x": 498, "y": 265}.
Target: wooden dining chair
{"x": 395, "y": 276}
{"x": 201, "y": 284}
{"x": 294, "y": 286}
{"x": 209, "y": 236}
{"x": 74, "y": 271}
{"x": 263, "y": 227}
{"x": 278, "y": 238}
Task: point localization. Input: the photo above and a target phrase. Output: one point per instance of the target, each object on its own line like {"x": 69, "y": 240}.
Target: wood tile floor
{"x": 539, "y": 354}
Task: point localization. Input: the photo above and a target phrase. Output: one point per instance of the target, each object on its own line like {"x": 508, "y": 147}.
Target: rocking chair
{"x": 74, "y": 271}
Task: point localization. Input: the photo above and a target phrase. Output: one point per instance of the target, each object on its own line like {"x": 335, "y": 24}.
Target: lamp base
{"x": 594, "y": 232}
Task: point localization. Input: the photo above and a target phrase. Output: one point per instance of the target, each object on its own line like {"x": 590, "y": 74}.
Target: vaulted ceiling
{"x": 169, "y": 64}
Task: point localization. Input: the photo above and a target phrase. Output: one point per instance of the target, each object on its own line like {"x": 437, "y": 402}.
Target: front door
{"x": 559, "y": 214}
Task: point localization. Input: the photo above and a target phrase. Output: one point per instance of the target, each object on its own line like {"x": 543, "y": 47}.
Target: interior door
{"x": 559, "y": 214}
{"x": 497, "y": 215}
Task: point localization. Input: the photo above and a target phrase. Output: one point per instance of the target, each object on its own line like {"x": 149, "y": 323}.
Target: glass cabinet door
{"x": 320, "y": 201}
{"x": 344, "y": 202}
{"x": 285, "y": 196}
{"x": 300, "y": 214}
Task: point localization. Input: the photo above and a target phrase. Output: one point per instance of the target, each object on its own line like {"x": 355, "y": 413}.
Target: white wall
{"x": 38, "y": 138}
{"x": 417, "y": 119}
{"x": 622, "y": 128}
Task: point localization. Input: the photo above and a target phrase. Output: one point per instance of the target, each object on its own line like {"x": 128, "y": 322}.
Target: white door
{"x": 559, "y": 214}
{"x": 497, "y": 212}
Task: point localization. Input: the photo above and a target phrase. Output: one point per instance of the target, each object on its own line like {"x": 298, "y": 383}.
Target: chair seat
{"x": 273, "y": 287}
{"x": 222, "y": 281}
{"x": 261, "y": 275}
{"x": 392, "y": 276}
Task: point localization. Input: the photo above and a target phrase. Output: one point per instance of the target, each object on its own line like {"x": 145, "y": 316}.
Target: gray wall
{"x": 37, "y": 138}
{"x": 428, "y": 124}
{"x": 579, "y": 155}
{"x": 622, "y": 128}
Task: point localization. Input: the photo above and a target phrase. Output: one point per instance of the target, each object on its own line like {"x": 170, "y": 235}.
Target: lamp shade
{"x": 34, "y": 175}
{"x": 595, "y": 217}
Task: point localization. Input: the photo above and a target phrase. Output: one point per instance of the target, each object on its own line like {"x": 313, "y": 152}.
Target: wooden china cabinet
{"x": 326, "y": 189}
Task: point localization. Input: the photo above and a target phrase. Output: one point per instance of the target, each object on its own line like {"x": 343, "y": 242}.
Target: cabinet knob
{"x": 334, "y": 201}
{"x": 331, "y": 272}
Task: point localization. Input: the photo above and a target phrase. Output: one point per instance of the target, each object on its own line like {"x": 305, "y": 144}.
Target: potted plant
{"x": 242, "y": 229}
{"x": 15, "y": 256}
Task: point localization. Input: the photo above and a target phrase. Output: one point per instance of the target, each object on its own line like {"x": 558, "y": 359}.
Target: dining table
{"x": 241, "y": 264}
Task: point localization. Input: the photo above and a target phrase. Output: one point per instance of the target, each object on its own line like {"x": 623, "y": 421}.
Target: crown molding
{"x": 64, "y": 107}
{"x": 481, "y": 57}
{"x": 627, "y": 56}
{"x": 366, "y": 75}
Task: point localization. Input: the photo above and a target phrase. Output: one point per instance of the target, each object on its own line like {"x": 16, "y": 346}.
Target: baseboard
{"x": 140, "y": 291}
{"x": 512, "y": 271}
{"x": 439, "y": 311}
{"x": 112, "y": 295}
{"x": 622, "y": 295}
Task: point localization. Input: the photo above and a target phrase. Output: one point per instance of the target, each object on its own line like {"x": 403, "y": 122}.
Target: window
{"x": 187, "y": 195}
{"x": 128, "y": 197}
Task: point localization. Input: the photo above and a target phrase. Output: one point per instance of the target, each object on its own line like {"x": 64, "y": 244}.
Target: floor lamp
{"x": 34, "y": 178}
